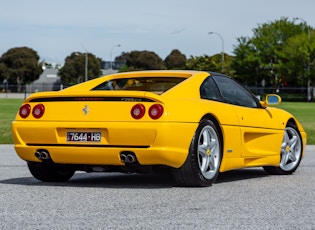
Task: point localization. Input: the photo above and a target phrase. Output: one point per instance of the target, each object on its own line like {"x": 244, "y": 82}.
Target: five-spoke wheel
{"x": 291, "y": 152}
{"x": 208, "y": 152}
{"x": 202, "y": 165}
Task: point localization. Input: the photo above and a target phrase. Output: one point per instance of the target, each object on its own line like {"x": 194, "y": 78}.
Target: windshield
{"x": 157, "y": 85}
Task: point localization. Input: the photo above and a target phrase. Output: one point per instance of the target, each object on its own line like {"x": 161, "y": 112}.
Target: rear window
{"x": 157, "y": 85}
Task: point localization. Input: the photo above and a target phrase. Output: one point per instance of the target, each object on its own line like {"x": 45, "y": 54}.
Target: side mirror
{"x": 271, "y": 99}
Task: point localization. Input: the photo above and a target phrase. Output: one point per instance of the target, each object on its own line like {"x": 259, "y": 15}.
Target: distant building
{"x": 50, "y": 81}
{"x": 107, "y": 65}
{"x": 110, "y": 67}
{"x": 47, "y": 81}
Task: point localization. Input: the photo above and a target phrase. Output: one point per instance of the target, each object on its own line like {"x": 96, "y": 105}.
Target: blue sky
{"x": 56, "y": 28}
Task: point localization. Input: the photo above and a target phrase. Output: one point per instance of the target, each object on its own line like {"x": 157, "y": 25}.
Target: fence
{"x": 23, "y": 91}
{"x": 286, "y": 93}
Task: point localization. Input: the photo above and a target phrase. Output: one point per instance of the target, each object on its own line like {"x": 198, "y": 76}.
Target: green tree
{"x": 143, "y": 60}
{"x": 277, "y": 51}
{"x": 211, "y": 63}
{"x": 73, "y": 71}
{"x": 246, "y": 62}
{"x": 201, "y": 63}
{"x": 297, "y": 59}
{"x": 292, "y": 57}
{"x": 20, "y": 66}
{"x": 4, "y": 73}
{"x": 175, "y": 60}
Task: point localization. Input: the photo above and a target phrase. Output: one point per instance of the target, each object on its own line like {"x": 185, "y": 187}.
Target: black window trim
{"x": 250, "y": 94}
{"x": 221, "y": 99}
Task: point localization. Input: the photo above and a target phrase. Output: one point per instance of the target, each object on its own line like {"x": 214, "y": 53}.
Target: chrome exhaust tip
{"x": 128, "y": 157}
{"x": 38, "y": 155}
{"x": 123, "y": 158}
{"x": 42, "y": 154}
{"x": 131, "y": 158}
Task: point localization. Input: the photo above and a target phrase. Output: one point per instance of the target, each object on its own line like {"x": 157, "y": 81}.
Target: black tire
{"x": 202, "y": 165}
{"x": 48, "y": 172}
{"x": 291, "y": 152}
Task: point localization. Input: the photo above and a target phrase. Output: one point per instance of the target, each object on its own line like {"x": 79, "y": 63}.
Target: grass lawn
{"x": 303, "y": 111}
{"x": 8, "y": 110}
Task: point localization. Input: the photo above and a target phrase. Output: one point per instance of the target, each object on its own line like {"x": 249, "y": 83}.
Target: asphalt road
{"x": 241, "y": 199}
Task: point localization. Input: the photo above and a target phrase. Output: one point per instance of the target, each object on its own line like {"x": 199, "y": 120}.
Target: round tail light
{"x": 25, "y": 110}
{"x": 137, "y": 111}
{"x": 156, "y": 111}
{"x": 38, "y": 111}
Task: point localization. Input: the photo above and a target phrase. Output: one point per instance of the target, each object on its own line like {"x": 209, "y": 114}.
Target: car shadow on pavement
{"x": 120, "y": 180}
{"x": 101, "y": 180}
{"x": 241, "y": 174}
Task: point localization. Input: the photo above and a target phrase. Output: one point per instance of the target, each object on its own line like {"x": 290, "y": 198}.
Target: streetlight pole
{"x": 222, "y": 53}
{"x": 110, "y": 56}
{"x": 86, "y": 64}
{"x": 309, "y": 96}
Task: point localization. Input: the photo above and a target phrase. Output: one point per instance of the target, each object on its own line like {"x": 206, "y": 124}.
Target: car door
{"x": 261, "y": 134}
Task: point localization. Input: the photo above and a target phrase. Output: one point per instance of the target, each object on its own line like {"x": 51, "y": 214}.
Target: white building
{"x": 47, "y": 81}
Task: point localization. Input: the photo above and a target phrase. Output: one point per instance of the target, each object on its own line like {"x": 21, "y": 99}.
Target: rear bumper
{"x": 154, "y": 143}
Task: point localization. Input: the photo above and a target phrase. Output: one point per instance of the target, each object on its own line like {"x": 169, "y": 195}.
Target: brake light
{"x": 25, "y": 110}
{"x": 38, "y": 111}
{"x": 138, "y": 111}
{"x": 156, "y": 111}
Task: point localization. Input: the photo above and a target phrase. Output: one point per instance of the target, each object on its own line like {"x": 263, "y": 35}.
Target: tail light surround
{"x": 137, "y": 111}
{"x": 38, "y": 111}
{"x": 25, "y": 110}
{"x": 156, "y": 111}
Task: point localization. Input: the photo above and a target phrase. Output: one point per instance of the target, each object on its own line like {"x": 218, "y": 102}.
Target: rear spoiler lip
{"x": 125, "y": 96}
{"x": 91, "y": 98}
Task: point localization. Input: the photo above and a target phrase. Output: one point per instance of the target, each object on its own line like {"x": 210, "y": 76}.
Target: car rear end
{"x": 101, "y": 127}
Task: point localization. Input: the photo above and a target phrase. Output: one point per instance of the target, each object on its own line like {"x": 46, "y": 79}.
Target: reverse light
{"x": 138, "y": 111}
{"x": 156, "y": 111}
{"x": 25, "y": 110}
{"x": 38, "y": 111}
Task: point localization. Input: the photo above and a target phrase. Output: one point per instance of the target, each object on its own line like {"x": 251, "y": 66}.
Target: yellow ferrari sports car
{"x": 192, "y": 124}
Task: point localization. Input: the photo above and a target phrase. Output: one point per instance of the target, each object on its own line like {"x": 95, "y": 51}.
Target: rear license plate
{"x": 84, "y": 136}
